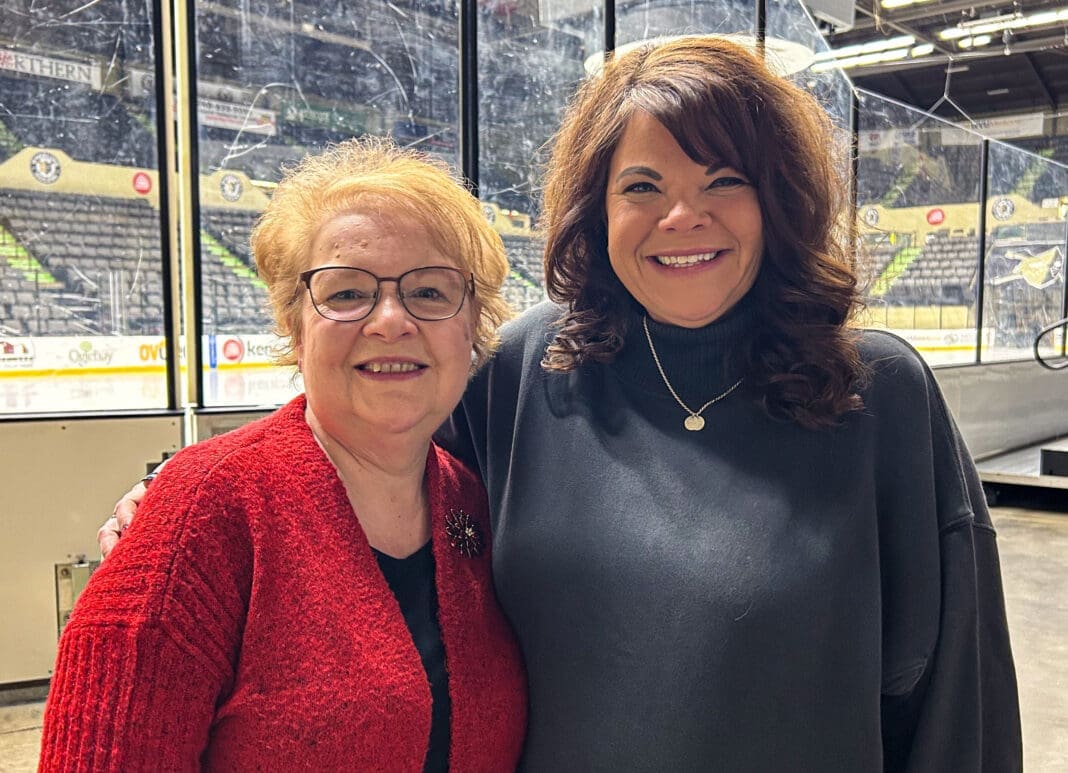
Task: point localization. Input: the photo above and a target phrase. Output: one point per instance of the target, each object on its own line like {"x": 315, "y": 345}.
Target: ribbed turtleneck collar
{"x": 693, "y": 358}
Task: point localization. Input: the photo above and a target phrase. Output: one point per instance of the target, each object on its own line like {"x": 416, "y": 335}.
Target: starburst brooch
{"x": 463, "y": 533}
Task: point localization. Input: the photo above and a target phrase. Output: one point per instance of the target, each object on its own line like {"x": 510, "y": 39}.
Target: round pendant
{"x": 694, "y": 423}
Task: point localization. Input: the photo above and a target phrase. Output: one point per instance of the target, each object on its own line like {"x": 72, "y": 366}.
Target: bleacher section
{"x": 262, "y": 162}
{"x": 103, "y": 252}
{"x": 943, "y": 273}
{"x": 946, "y": 175}
{"x": 874, "y": 179}
{"x": 873, "y": 259}
{"x": 235, "y": 300}
{"x": 85, "y": 124}
{"x": 28, "y": 296}
{"x": 80, "y": 265}
{"x": 524, "y": 286}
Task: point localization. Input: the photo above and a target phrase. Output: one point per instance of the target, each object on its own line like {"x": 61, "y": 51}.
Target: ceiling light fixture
{"x": 860, "y": 49}
{"x": 891, "y": 4}
{"x": 1012, "y": 21}
{"x": 874, "y": 57}
{"x": 975, "y": 42}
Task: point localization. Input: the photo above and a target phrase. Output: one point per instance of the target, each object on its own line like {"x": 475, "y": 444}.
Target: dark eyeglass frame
{"x": 469, "y": 289}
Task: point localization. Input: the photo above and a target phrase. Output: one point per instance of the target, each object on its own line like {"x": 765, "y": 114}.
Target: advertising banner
{"x": 227, "y": 115}
{"x": 48, "y": 67}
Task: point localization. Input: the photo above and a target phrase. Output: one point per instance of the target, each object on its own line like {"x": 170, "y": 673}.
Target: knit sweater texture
{"x": 243, "y": 624}
{"x": 751, "y": 597}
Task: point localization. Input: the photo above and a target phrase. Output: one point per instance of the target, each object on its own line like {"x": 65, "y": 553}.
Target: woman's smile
{"x": 687, "y": 260}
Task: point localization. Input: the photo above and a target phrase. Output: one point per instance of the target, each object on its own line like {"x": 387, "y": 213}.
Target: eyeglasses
{"x": 346, "y": 294}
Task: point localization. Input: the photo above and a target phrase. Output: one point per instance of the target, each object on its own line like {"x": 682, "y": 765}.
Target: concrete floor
{"x": 1033, "y": 540}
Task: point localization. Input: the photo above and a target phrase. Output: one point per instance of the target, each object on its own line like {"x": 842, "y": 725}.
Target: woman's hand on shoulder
{"x": 111, "y": 531}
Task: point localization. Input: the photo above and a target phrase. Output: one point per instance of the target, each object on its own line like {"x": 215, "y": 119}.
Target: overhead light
{"x": 890, "y": 4}
{"x": 976, "y": 42}
{"x": 1012, "y": 21}
{"x": 996, "y": 92}
{"x": 871, "y": 47}
{"x": 874, "y": 57}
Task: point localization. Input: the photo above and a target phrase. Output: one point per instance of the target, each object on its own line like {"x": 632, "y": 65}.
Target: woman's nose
{"x": 389, "y": 317}
{"x": 685, "y": 215}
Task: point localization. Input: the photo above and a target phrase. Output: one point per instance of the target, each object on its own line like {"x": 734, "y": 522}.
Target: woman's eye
{"x": 727, "y": 182}
{"x": 640, "y": 187}
{"x": 425, "y": 293}
{"x": 342, "y": 296}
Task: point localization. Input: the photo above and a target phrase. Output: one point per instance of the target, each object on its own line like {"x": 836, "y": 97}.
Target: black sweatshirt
{"x": 751, "y": 597}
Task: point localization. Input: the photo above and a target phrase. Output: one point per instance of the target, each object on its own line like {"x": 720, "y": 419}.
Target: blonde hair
{"x": 373, "y": 175}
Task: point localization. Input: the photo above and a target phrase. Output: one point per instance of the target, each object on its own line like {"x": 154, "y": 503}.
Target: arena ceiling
{"x": 989, "y": 57}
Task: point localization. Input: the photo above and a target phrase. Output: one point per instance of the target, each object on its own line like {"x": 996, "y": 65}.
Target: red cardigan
{"x": 243, "y": 624}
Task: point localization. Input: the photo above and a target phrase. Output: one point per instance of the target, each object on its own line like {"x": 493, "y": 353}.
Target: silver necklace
{"x": 694, "y": 422}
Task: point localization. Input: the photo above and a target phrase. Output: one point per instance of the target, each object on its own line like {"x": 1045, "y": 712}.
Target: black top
{"x": 753, "y": 596}
{"x": 412, "y": 581}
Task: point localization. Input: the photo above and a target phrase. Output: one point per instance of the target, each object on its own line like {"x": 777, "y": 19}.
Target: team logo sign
{"x": 871, "y": 216}
{"x": 45, "y": 167}
{"x": 231, "y": 187}
{"x": 233, "y": 350}
{"x": 1003, "y": 209}
{"x": 142, "y": 183}
{"x": 1037, "y": 267}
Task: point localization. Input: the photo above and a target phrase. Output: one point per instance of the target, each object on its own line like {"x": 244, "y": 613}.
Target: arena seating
{"x": 85, "y": 124}
{"x": 27, "y": 306}
{"x": 943, "y": 175}
{"x": 874, "y": 179}
{"x": 232, "y": 228}
{"x": 1051, "y": 183}
{"x": 525, "y": 256}
{"x": 234, "y": 300}
{"x": 944, "y": 273}
{"x": 874, "y": 258}
{"x": 261, "y": 162}
{"x": 105, "y": 256}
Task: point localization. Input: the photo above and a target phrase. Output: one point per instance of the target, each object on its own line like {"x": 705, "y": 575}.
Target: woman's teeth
{"x": 390, "y": 367}
{"x": 685, "y": 260}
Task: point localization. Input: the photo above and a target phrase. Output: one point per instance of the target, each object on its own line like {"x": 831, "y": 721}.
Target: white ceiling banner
{"x": 48, "y": 67}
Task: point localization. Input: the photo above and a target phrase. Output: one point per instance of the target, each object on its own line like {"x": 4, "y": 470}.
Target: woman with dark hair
{"x": 710, "y": 98}
{"x": 731, "y": 532}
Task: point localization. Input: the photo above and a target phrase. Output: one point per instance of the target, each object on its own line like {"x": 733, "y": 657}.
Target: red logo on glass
{"x": 233, "y": 349}
{"x": 142, "y": 183}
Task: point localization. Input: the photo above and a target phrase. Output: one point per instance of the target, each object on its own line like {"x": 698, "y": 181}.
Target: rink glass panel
{"x": 790, "y": 22}
{"x": 81, "y": 264}
{"x": 80, "y": 247}
{"x": 276, "y": 82}
{"x": 530, "y": 62}
{"x": 1025, "y": 250}
{"x": 918, "y": 218}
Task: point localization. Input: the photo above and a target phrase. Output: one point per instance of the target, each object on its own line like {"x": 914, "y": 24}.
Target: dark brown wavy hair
{"x": 722, "y": 104}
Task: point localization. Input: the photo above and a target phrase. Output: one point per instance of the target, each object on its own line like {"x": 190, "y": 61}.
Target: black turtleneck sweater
{"x": 751, "y": 597}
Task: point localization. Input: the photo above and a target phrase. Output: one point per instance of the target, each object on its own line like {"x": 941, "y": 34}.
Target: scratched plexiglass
{"x": 276, "y": 81}
{"x": 81, "y": 266}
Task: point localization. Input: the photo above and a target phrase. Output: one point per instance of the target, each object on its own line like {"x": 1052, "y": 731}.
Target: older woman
{"x": 731, "y": 532}
{"x": 312, "y": 591}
